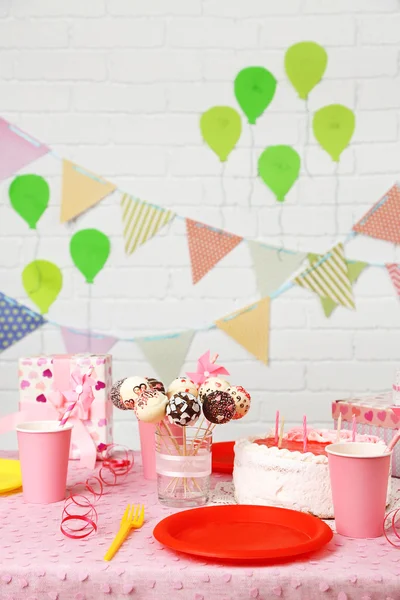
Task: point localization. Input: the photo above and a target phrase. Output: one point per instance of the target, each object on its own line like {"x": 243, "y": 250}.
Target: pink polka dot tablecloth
{"x": 38, "y": 563}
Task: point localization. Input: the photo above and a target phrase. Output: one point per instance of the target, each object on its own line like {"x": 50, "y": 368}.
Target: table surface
{"x": 37, "y": 562}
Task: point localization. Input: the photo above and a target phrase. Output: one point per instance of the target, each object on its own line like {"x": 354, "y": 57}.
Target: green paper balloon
{"x": 89, "y": 249}
{"x": 221, "y": 127}
{"x": 305, "y": 65}
{"x": 254, "y": 89}
{"x": 279, "y": 167}
{"x": 42, "y": 281}
{"x": 29, "y": 197}
{"x": 333, "y": 128}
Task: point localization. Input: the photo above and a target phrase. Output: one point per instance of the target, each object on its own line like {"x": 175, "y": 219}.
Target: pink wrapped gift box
{"x": 42, "y": 379}
{"x": 373, "y": 417}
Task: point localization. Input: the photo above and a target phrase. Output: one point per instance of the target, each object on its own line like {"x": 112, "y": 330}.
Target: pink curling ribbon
{"x": 79, "y": 518}
{"x": 390, "y": 527}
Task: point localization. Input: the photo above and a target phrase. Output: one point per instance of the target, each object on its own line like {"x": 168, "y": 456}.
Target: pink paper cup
{"x": 147, "y": 433}
{"x": 359, "y": 474}
{"x": 43, "y": 454}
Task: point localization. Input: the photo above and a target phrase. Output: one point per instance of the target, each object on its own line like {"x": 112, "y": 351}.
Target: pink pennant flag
{"x": 394, "y": 272}
{"x": 77, "y": 343}
{"x": 207, "y": 246}
{"x": 17, "y": 149}
{"x": 382, "y": 221}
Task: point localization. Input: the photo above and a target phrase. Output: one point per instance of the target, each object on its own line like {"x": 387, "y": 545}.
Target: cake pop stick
{"x": 281, "y": 432}
{"x": 338, "y": 428}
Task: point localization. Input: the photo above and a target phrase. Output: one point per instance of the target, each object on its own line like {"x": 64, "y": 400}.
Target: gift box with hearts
{"x": 373, "y": 416}
{"x": 42, "y": 381}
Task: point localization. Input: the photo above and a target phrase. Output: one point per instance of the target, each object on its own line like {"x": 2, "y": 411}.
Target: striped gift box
{"x": 373, "y": 417}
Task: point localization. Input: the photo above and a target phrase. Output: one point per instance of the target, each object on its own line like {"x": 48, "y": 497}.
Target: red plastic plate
{"x": 223, "y": 457}
{"x": 243, "y": 533}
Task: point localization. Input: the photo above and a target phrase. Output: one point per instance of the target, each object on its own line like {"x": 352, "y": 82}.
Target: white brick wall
{"x": 118, "y": 86}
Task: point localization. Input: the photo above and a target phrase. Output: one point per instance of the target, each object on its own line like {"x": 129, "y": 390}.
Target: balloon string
{"x": 252, "y": 177}
{"x": 89, "y": 318}
{"x": 307, "y": 138}
{"x": 39, "y": 285}
{"x": 336, "y": 199}
{"x": 223, "y": 204}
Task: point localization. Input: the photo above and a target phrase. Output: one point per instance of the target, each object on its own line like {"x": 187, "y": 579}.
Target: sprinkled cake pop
{"x": 155, "y": 384}
{"x": 183, "y": 409}
{"x": 182, "y": 384}
{"x": 115, "y": 395}
{"x": 212, "y": 384}
{"x": 242, "y": 400}
{"x": 219, "y": 407}
{"x": 150, "y": 406}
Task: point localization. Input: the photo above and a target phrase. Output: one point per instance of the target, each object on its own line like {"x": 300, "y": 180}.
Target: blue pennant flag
{"x": 16, "y": 321}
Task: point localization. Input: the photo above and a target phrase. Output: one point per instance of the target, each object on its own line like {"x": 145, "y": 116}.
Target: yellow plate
{"x": 10, "y": 475}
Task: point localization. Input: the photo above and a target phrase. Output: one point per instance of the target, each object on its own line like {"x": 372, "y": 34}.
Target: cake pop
{"x": 242, "y": 400}
{"x": 155, "y": 384}
{"x": 115, "y": 395}
{"x": 182, "y": 384}
{"x": 150, "y": 406}
{"x": 218, "y": 407}
{"x": 183, "y": 409}
{"x": 212, "y": 384}
{"x": 131, "y": 389}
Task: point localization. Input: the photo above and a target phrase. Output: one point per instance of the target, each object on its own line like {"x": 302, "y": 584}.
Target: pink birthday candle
{"x": 276, "y": 426}
{"x": 304, "y": 433}
{"x": 353, "y": 430}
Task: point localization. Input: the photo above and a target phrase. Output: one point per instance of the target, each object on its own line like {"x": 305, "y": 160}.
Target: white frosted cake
{"x": 286, "y": 477}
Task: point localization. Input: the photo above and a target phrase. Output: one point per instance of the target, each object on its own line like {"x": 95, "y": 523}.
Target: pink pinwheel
{"x": 206, "y": 368}
{"x": 81, "y": 392}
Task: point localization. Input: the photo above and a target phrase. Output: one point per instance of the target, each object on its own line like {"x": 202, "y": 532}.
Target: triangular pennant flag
{"x": 81, "y": 190}
{"x": 17, "y": 149}
{"x": 141, "y": 221}
{"x": 16, "y": 321}
{"x": 394, "y": 272}
{"x": 329, "y": 278}
{"x": 77, "y": 343}
{"x": 273, "y": 266}
{"x": 167, "y": 355}
{"x": 207, "y": 246}
{"x": 354, "y": 270}
{"x": 249, "y": 327}
{"x": 382, "y": 221}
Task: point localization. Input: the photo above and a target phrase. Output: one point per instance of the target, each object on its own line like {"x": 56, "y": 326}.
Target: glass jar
{"x": 183, "y": 466}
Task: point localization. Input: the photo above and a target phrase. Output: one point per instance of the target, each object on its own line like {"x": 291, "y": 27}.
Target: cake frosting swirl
{"x": 288, "y": 477}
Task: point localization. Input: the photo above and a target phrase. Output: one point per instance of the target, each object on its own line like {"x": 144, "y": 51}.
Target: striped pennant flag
{"x": 394, "y": 272}
{"x": 329, "y": 278}
{"x": 141, "y": 221}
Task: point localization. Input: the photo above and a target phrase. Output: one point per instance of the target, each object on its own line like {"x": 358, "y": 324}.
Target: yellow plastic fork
{"x": 133, "y": 518}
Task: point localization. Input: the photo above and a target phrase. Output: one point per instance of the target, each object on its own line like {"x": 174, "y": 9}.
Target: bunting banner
{"x": 382, "y": 221}
{"x": 249, "y": 327}
{"x": 78, "y": 343}
{"x": 273, "y": 266}
{"x": 141, "y": 221}
{"x": 329, "y": 278}
{"x": 207, "y": 247}
{"x": 81, "y": 190}
{"x": 167, "y": 354}
{"x": 394, "y": 272}
{"x": 16, "y": 321}
{"x": 354, "y": 270}
{"x": 17, "y": 149}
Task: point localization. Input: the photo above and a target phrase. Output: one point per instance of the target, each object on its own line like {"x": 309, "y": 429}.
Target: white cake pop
{"x": 150, "y": 406}
{"x": 212, "y": 384}
{"x": 131, "y": 389}
{"x": 241, "y": 398}
{"x": 182, "y": 384}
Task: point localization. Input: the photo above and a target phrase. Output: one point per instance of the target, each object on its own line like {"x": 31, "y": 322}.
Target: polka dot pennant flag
{"x": 382, "y": 221}
{"x": 207, "y": 246}
{"x": 394, "y": 272}
{"x": 16, "y": 321}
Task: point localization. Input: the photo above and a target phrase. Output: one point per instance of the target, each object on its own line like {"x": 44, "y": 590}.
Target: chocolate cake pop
{"x": 241, "y": 398}
{"x": 150, "y": 406}
{"x": 212, "y": 384}
{"x": 182, "y": 384}
{"x": 155, "y": 384}
{"x": 115, "y": 395}
{"x": 183, "y": 409}
{"x": 218, "y": 407}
